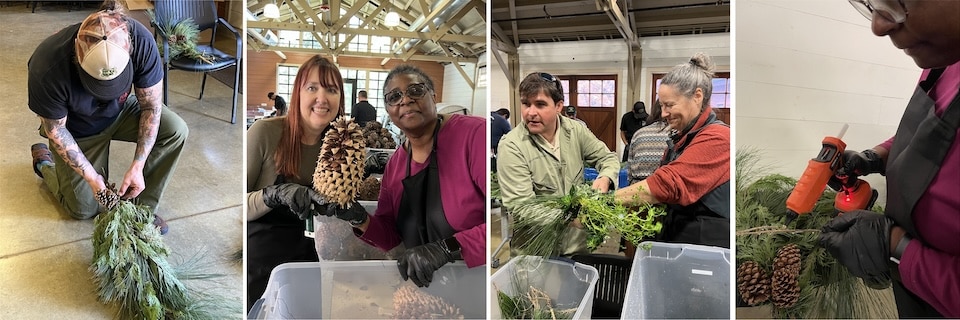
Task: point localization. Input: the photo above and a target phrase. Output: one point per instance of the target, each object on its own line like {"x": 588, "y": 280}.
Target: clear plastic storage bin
{"x": 570, "y": 285}
{"x": 363, "y": 290}
{"x": 672, "y": 280}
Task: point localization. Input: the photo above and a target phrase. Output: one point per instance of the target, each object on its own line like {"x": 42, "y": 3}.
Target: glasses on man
{"x": 414, "y": 91}
{"x": 551, "y": 78}
{"x": 891, "y": 10}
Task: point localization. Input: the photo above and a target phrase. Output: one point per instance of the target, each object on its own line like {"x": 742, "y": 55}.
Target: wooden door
{"x": 595, "y": 98}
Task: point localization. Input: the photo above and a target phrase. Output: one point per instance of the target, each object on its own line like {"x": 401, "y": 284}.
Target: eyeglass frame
{"x": 867, "y": 8}
{"x": 406, "y": 93}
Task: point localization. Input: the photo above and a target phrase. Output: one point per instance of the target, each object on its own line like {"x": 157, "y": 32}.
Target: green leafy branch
{"x": 540, "y": 223}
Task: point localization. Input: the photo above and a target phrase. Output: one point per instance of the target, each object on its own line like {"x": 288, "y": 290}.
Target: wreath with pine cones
{"x": 783, "y": 266}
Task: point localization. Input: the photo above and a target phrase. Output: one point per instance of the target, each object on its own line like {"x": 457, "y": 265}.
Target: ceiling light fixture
{"x": 392, "y": 19}
{"x": 271, "y": 11}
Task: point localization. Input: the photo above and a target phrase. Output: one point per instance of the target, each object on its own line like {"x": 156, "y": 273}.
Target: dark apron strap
{"x": 919, "y": 147}
{"x": 421, "y": 218}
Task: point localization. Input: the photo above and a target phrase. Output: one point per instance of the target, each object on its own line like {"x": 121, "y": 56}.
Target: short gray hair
{"x": 695, "y": 73}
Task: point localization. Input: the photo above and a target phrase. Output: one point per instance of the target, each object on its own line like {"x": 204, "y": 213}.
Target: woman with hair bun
{"x": 694, "y": 177}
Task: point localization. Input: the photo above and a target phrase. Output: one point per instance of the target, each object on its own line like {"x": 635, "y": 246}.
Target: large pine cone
{"x": 788, "y": 258}
{"x": 410, "y": 302}
{"x": 785, "y": 288}
{"x": 753, "y": 283}
{"x": 370, "y": 189}
{"x": 340, "y": 165}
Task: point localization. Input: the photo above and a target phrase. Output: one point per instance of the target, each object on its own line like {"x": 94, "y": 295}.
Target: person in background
{"x": 571, "y": 113}
{"x": 92, "y": 83}
{"x": 499, "y": 126}
{"x": 546, "y": 155}
{"x": 504, "y": 113}
{"x": 632, "y": 121}
{"x": 916, "y": 241}
{"x": 694, "y": 176}
{"x": 279, "y": 105}
{"x": 363, "y": 111}
{"x": 281, "y": 157}
{"x": 433, "y": 196}
{"x": 646, "y": 150}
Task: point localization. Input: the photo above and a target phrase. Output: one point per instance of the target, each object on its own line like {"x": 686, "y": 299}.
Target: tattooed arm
{"x": 150, "y": 107}
{"x": 67, "y": 148}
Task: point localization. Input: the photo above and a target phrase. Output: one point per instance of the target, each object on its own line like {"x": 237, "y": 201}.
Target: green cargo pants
{"x": 75, "y": 194}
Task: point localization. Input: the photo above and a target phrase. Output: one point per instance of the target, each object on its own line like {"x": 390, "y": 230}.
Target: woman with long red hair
{"x": 281, "y": 157}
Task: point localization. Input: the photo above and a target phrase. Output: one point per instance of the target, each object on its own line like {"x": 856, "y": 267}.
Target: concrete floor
{"x": 44, "y": 254}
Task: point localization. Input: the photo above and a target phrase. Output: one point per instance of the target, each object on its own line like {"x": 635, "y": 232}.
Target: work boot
{"x": 40, "y": 153}
{"x": 160, "y": 223}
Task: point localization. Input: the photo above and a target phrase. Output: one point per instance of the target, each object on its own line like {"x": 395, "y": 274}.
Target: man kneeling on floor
{"x": 79, "y": 85}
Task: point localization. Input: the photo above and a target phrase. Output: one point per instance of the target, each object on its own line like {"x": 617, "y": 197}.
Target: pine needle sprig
{"x": 540, "y": 223}
{"x": 130, "y": 268}
{"x": 181, "y": 37}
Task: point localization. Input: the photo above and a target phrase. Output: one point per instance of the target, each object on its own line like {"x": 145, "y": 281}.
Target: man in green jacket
{"x": 546, "y": 155}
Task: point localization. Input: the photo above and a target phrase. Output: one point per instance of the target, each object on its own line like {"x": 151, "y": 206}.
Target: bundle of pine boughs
{"x": 541, "y": 221}
{"x": 827, "y": 289}
{"x": 130, "y": 268}
{"x": 181, "y": 37}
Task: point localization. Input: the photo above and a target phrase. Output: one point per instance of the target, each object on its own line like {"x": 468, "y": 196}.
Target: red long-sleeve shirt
{"x": 703, "y": 166}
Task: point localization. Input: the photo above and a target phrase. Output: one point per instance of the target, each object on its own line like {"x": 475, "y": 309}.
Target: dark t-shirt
{"x": 279, "y": 105}
{"x": 363, "y": 112}
{"x": 499, "y": 126}
{"x": 53, "y": 82}
{"x": 631, "y": 124}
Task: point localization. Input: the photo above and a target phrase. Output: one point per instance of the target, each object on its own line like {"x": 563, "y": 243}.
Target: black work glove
{"x": 860, "y": 241}
{"x": 355, "y": 214}
{"x": 294, "y": 196}
{"x": 419, "y": 263}
{"x": 861, "y": 163}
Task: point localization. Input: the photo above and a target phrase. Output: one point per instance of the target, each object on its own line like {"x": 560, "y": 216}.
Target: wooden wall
{"x": 262, "y": 71}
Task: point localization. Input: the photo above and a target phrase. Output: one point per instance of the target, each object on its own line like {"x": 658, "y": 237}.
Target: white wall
{"x": 803, "y": 69}
{"x": 608, "y": 57}
{"x": 457, "y": 91}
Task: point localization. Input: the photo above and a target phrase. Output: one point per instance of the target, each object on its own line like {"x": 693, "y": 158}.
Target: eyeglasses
{"x": 891, "y": 10}
{"x": 414, "y": 91}
{"x": 551, "y": 78}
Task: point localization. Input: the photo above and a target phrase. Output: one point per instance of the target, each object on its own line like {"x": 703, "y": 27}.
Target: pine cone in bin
{"x": 753, "y": 283}
{"x": 370, "y": 189}
{"x": 788, "y": 258}
{"x": 339, "y": 169}
{"x": 785, "y": 288}
{"x": 410, "y": 302}
{"x": 377, "y": 136}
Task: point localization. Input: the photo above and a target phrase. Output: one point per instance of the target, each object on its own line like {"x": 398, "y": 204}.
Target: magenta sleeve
{"x": 932, "y": 275}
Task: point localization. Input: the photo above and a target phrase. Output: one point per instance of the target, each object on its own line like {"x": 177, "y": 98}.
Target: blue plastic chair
{"x": 204, "y": 14}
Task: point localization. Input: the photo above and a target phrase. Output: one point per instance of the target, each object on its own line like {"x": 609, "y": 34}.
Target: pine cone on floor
{"x": 785, "y": 288}
{"x": 339, "y": 169}
{"x": 410, "y": 302}
{"x": 753, "y": 283}
{"x": 788, "y": 258}
{"x": 370, "y": 189}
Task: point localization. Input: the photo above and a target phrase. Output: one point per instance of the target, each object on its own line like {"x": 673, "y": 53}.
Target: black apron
{"x": 421, "y": 219}
{"x": 705, "y": 222}
{"x": 921, "y": 143}
{"x": 273, "y": 239}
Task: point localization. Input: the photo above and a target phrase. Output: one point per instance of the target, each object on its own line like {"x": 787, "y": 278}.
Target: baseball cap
{"x": 103, "y": 52}
{"x": 571, "y": 110}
